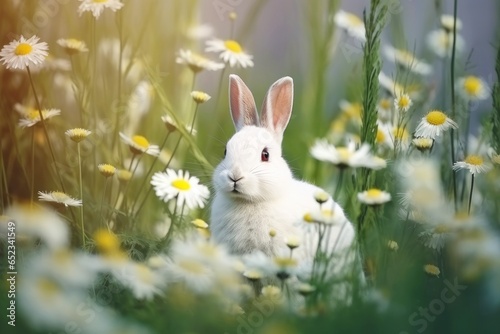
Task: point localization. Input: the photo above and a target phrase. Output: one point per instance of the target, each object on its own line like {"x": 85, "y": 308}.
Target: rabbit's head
{"x": 253, "y": 168}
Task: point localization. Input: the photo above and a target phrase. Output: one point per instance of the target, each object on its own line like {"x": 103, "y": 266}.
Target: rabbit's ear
{"x": 277, "y": 107}
{"x": 241, "y": 103}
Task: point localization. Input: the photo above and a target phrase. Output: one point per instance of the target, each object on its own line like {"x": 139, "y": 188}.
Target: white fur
{"x": 268, "y": 197}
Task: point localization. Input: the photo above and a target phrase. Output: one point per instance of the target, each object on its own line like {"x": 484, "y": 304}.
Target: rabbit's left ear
{"x": 277, "y": 107}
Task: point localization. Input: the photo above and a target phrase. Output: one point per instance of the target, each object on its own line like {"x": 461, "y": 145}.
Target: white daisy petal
{"x": 169, "y": 185}
{"x": 23, "y": 52}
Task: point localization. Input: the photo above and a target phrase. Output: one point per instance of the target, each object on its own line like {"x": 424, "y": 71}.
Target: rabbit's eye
{"x": 264, "y": 156}
{"x": 225, "y": 152}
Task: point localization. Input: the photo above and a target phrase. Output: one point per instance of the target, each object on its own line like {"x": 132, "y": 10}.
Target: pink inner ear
{"x": 277, "y": 107}
{"x": 242, "y": 103}
{"x": 283, "y": 107}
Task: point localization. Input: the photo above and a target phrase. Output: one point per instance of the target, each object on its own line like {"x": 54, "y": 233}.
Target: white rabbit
{"x": 255, "y": 191}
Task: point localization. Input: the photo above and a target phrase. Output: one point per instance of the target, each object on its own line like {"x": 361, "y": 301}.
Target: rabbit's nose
{"x": 235, "y": 179}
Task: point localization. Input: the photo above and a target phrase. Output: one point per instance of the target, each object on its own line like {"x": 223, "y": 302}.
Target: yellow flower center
{"x": 192, "y": 267}
{"x": 354, "y": 20}
{"x": 436, "y": 117}
{"x": 380, "y": 136}
{"x": 405, "y": 56}
{"x": 33, "y": 115}
{"x": 308, "y": 218}
{"x": 353, "y": 110}
{"x": 200, "y": 97}
{"x": 440, "y": 229}
{"x": 400, "y": 133}
{"x": 107, "y": 242}
{"x": 344, "y": 154}
{"x": 62, "y": 256}
{"x": 423, "y": 143}
{"x": 181, "y": 184}
{"x": 23, "y": 49}
{"x": 99, "y": 1}
{"x": 199, "y": 223}
{"x": 233, "y": 46}
{"x": 107, "y": 170}
{"x": 385, "y": 104}
{"x": 472, "y": 85}
{"x": 474, "y": 160}
{"x": 140, "y": 141}
{"x": 404, "y": 102}
{"x": 373, "y": 193}
{"x": 124, "y": 175}
{"x": 47, "y": 287}
{"x": 145, "y": 273}
{"x": 432, "y": 270}
{"x": 285, "y": 262}
{"x": 59, "y": 196}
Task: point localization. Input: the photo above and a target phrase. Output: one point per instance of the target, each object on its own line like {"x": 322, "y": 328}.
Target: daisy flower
{"x": 45, "y": 303}
{"x": 23, "y": 52}
{"x": 432, "y": 270}
{"x": 385, "y": 109}
{"x": 98, "y": 6}
{"x": 344, "y": 157}
{"x": 186, "y": 189}
{"x": 383, "y": 137}
{"x": 394, "y": 88}
{"x": 197, "y": 276}
{"x": 230, "y": 51}
{"x": 107, "y": 242}
{"x": 441, "y": 43}
{"x": 73, "y": 269}
{"x": 77, "y": 134}
{"x": 305, "y": 289}
{"x": 123, "y": 175}
{"x": 200, "y": 97}
{"x": 472, "y": 88}
{"x": 392, "y": 245}
{"x": 474, "y": 163}
{"x": 423, "y": 144}
{"x": 433, "y": 124}
{"x": 139, "y": 144}
{"x": 351, "y": 111}
{"x": 197, "y": 62}
{"x": 326, "y": 216}
{"x": 407, "y": 60}
{"x": 374, "y": 197}
{"x": 351, "y": 23}
{"x": 32, "y": 117}
{"x": 448, "y": 23}
{"x": 59, "y": 197}
{"x": 107, "y": 170}
{"x": 436, "y": 237}
{"x": 292, "y": 241}
{"x": 38, "y": 222}
{"x": 143, "y": 281}
{"x": 199, "y": 223}
{"x": 403, "y": 102}
{"x": 72, "y": 46}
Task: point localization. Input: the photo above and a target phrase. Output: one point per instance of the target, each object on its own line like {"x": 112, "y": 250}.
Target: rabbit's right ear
{"x": 241, "y": 103}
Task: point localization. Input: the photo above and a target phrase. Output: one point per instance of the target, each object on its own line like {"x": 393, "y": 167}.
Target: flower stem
{"x": 453, "y": 106}
{"x": 339, "y": 184}
{"x": 32, "y": 166}
{"x": 80, "y": 180}
{"x": 39, "y": 107}
{"x": 102, "y": 204}
{"x": 146, "y": 177}
{"x": 470, "y": 196}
